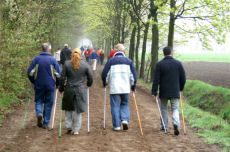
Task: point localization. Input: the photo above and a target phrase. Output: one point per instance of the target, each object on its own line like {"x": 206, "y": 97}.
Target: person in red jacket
{"x": 86, "y": 53}
{"x": 112, "y": 53}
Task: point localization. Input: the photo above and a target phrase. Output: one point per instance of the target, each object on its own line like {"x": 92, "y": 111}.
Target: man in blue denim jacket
{"x": 120, "y": 73}
{"x": 44, "y": 73}
{"x": 170, "y": 77}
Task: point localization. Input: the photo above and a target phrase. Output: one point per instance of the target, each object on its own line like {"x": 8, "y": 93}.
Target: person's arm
{"x": 156, "y": 80}
{"x": 182, "y": 77}
{"x": 57, "y": 73}
{"x": 62, "y": 58}
{"x": 134, "y": 75}
{"x": 31, "y": 71}
{"x": 105, "y": 72}
{"x": 62, "y": 79}
{"x": 89, "y": 75}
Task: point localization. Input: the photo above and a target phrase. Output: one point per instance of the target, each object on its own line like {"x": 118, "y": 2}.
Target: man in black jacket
{"x": 65, "y": 54}
{"x": 170, "y": 77}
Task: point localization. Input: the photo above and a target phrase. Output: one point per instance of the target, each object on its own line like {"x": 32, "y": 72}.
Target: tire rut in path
{"x": 14, "y": 138}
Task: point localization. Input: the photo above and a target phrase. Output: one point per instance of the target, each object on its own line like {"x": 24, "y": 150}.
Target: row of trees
{"x": 109, "y": 22}
{"x": 25, "y": 24}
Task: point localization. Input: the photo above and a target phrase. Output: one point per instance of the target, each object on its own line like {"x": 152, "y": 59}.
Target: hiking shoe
{"x": 116, "y": 128}
{"x": 164, "y": 130}
{"x": 39, "y": 122}
{"x": 125, "y": 125}
{"x": 176, "y": 131}
{"x": 44, "y": 127}
{"x": 75, "y": 133}
{"x": 69, "y": 131}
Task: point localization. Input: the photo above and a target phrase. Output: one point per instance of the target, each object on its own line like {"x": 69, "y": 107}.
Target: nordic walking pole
{"x": 27, "y": 109}
{"x": 160, "y": 114}
{"x": 182, "y": 112}
{"x": 138, "y": 116}
{"x": 60, "y": 118}
{"x": 88, "y": 109}
{"x": 54, "y": 110}
{"x": 104, "y": 107}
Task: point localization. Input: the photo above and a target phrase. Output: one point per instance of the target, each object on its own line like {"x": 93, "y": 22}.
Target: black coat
{"x": 65, "y": 55}
{"x": 170, "y": 76}
{"x": 75, "y": 89}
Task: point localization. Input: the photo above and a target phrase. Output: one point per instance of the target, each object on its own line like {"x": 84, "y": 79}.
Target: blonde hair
{"x": 75, "y": 58}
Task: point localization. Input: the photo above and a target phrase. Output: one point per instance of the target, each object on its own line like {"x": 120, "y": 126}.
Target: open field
{"x": 203, "y": 56}
{"x": 214, "y": 73}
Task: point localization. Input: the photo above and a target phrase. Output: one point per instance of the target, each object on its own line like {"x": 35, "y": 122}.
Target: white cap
{"x": 66, "y": 45}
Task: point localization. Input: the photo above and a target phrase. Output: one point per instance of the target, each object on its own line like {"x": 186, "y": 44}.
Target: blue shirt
{"x": 44, "y": 72}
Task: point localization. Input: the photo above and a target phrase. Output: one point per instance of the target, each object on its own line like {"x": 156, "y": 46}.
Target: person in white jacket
{"x": 120, "y": 73}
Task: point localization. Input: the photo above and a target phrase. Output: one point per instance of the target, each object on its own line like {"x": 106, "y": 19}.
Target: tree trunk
{"x": 142, "y": 70}
{"x": 155, "y": 41}
{"x": 123, "y": 29}
{"x": 171, "y": 23}
{"x": 132, "y": 42}
{"x": 137, "y": 46}
{"x": 1, "y": 23}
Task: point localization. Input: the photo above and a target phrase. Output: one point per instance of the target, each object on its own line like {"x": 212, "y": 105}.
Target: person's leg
{"x": 124, "y": 107}
{"x": 39, "y": 100}
{"x": 175, "y": 115}
{"x": 124, "y": 110}
{"x": 48, "y": 104}
{"x": 164, "y": 113}
{"x": 77, "y": 119}
{"x": 68, "y": 121}
{"x": 115, "y": 110}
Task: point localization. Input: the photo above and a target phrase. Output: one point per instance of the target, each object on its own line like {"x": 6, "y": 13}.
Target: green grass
{"x": 212, "y": 127}
{"x": 209, "y": 98}
{"x": 203, "y": 56}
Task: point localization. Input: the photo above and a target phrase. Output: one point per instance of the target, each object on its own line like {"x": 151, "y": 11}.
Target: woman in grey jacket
{"x": 75, "y": 71}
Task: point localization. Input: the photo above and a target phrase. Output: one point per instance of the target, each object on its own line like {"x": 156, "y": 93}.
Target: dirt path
{"x": 215, "y": 73}
{"x": 33, "y": 139}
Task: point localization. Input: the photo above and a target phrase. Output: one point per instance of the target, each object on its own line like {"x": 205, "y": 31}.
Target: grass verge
{"x": 212, "y": 127}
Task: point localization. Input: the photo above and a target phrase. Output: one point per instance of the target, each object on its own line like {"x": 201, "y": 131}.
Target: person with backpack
{"x": 65, "y": 54}
{"x": 119, "y": 72}
{"x": 44, "y": 73}
{"x": 74, "y": 84}
{"x": 170, "y": 77}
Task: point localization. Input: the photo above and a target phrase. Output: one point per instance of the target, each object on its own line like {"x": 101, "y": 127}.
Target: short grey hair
{"x": 46, "y": 47}
{"x": 119, "y": 47}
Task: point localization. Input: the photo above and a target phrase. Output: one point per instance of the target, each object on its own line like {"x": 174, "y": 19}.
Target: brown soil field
{"x": 33, "y": 139}
{"x": 214, "y": 73}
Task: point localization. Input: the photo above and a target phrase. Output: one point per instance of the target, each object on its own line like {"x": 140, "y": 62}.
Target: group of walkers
{"x": 72, "y": 75}
{"x": 91, "y": 55}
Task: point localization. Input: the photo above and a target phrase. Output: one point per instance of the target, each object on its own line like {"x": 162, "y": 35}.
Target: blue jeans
{"x": 119, "y": 108}
{"x": 174, "y": 109}
{"x": 44, "y": 98}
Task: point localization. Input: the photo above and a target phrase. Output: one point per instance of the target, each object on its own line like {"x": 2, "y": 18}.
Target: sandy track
{"x": 33, "y": 139}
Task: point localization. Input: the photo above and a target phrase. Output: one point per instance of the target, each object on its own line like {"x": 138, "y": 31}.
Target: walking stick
{"x": 88, "y": 110}
{"x": 182, "y": 112}
{"x": 138, "y": 116}
{"x": 27, "y": 109}
{"x": 54, "y": 110}
{"x": 60, "y": 117}
{"x": 160, "y": 115}
{"x": 104, "y": 107}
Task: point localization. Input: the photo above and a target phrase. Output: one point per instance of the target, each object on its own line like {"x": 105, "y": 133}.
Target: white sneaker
{"x": 117, "y": 128}
{"x": 125, "y": 125}
{"x": 75, "y": 133}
